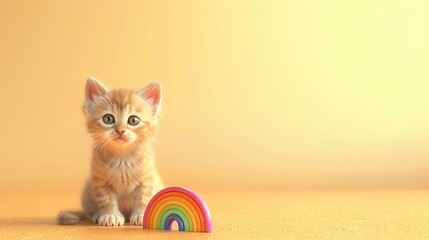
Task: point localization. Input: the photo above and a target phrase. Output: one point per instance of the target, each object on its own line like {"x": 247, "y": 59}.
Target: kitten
{"x": 123, "y": 175}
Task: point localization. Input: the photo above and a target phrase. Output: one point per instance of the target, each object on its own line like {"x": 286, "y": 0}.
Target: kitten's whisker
{"x": 154, "y": 140}
{"x": 100, "y": 142}
{"x": 106, "y": 141}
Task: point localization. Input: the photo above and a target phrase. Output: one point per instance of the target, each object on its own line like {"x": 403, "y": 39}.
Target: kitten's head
{"x": 121, "y": 119}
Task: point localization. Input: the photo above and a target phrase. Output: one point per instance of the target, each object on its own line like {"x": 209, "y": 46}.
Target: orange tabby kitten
{"x": 123, "y": 175}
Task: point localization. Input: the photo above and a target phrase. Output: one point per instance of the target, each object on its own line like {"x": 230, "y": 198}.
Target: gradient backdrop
{"x": 257, "y": 94}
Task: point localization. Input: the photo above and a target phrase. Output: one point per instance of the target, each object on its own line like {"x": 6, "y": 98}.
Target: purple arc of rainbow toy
{"x": 178, "y": 204}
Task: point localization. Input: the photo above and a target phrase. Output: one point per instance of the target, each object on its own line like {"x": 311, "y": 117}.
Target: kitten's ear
{"x": 151, "y": 93}
{"x": 93, "y": 89}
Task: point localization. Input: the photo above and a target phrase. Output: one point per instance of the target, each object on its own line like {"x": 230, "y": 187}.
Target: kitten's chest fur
{"x": 124, "y": 173}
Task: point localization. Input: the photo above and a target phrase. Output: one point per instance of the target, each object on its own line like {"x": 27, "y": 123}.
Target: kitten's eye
{"x": 133, "y": 120}
{"x": 108, "y": 119}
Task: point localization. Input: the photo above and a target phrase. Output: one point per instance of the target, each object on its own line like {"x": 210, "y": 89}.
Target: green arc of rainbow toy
{"x": 178, "y": 204}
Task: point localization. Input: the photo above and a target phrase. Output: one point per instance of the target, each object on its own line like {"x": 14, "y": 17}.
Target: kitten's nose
{"x": 120, "y": 131}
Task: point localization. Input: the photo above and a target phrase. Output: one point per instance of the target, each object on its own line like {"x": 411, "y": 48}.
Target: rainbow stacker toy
{"x": 181, "y": 205}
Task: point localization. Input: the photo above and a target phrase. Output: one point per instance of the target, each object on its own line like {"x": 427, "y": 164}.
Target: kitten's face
{"x": 121, "y": 119}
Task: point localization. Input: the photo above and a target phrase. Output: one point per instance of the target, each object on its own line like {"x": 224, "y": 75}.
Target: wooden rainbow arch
{"x": 181, "y": 205}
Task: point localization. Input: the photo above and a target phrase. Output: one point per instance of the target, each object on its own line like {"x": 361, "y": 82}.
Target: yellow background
{"x": 257, "y": 94}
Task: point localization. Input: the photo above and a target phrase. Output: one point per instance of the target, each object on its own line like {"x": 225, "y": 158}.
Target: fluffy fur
{"x": 123, "y": 175}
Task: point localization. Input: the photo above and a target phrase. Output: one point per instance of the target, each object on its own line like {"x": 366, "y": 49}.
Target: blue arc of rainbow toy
{"x": 178, "y": 204}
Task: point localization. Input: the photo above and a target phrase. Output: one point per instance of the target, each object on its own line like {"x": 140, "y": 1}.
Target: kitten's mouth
{"x": 121, "y": 139}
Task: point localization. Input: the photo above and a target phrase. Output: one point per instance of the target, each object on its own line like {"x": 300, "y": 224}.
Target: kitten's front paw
{"x": 137, "y": 218}
{"x": 111, "y": 219}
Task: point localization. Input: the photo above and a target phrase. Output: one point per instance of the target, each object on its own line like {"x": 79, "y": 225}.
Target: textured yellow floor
{"x": 242, "y": 215}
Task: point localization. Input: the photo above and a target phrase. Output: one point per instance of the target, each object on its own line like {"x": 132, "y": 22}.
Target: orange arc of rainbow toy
{"x": 178, "y": 204}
